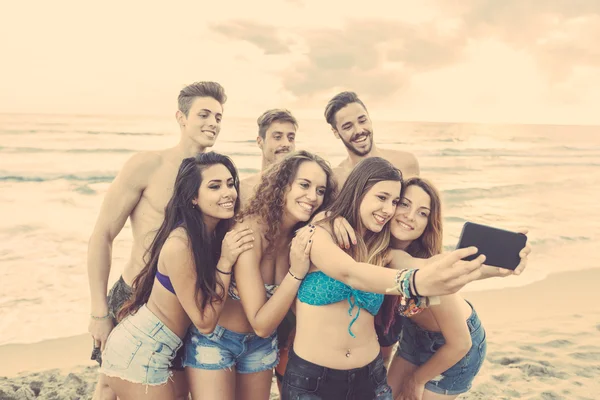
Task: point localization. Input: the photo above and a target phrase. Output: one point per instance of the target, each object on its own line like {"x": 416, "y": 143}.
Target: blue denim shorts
{"x": 140, "y": 349}
{"x": 418, "y": 345}
{"x": 223, "y": 349}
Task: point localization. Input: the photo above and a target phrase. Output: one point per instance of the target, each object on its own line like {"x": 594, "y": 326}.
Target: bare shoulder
{"x": 250, "y": 180}
{"x": 405, "y": 161}
{"x": 340, "y": 173}
{"x": 247, "y": 187}
{"x": 176, "y": 248}
{"x": 140, "y": 167}
{"x": 253, "y": 222}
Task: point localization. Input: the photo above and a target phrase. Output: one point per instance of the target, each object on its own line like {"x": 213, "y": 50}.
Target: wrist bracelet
{"x": 414, "y": 284}
{"x": 223, "y": 272}
{"x": 294, "y": 276}
{"x": 100, "y": 318}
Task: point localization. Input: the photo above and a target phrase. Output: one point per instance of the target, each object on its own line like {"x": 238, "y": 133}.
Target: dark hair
{"x": 425, "y": 246}
{"x": 205, "y": 247}
{"x": 430, "y": 242}
{"x": 274, "y": 115}
{"x": 199, "y": 89}
{"x": 268, "y": 201}
{"x": 373, "y": 247}
{"x": 338, "y": 102}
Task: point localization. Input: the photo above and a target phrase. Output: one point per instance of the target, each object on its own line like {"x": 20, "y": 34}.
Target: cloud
{"x": 560, "y": 34}
{"x": 373, "y": 57}
{"x": 381, "y": 56}
{"x": 263, "y": 36}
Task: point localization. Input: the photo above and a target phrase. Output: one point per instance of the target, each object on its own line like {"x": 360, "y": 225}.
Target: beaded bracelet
{"x": 100, "y": 318}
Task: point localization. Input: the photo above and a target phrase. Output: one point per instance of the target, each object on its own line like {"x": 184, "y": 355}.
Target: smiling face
{"x": 279, "y": 141}
{"x": 306, "y": 192}
{"x": 412, "y": 215}
{"x": 379, "y": 204}
{"x": 203, "y": 122}
{"x": 354, "y": 128}
{"x": 217, "y": 194}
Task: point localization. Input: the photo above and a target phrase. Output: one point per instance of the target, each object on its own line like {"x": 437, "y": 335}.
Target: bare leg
{"x": 255, "y": 386}
{"x": 209, "y": 385}
{"x": 132, "y": 391}
{"x": 180, "y": 385}
{"x": 103, "y": 391}
{"x": 387, "y": 353}
{"x": 399, "y": 370}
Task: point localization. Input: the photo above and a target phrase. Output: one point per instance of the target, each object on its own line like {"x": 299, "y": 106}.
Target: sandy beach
{"x": 543, "y": 343}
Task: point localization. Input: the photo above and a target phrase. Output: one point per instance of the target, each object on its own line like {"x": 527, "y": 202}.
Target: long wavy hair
{"x": 371, "y": 247}
{"x": 268, "y": 201}
{"x": 430, "y": 242}
{"x": 205, "y": 246}
{"x": 427, "y": 245}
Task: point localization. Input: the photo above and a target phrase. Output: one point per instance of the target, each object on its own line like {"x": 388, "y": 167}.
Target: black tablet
{"x": 500, "y": 247}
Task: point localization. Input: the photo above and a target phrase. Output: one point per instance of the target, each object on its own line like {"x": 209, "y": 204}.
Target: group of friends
{"x": 312, "y": 273}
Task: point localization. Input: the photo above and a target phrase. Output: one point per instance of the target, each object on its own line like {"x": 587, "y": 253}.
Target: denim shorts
{"x": 418, "y": 345}
{"x": 117, "y": 296}
{"x": 307, "y": 381}
{"x": 225, "y": 349}
{"x": 140, "y": 349}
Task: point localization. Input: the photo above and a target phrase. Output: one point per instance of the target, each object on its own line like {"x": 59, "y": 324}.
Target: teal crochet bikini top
{"x": 318, "y": 289}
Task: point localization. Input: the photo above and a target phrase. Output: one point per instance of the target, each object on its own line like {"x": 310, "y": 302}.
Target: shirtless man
{"x": 276, "y": 138}
{"x": 140, "y": 192}
{"x": 350, "y": 122}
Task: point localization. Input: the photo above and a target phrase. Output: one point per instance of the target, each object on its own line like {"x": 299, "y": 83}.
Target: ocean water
{"x": 54, "y": 171}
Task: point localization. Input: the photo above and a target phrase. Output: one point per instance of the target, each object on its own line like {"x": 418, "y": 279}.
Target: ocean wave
{"x": 54, "y": 177}
{"x": 533, "y": 152}
{"x": 121, "y": 133}
{"x": 471, "y": 193}
{"x": 46, "y": 131}
{"x": 42, "y": 150}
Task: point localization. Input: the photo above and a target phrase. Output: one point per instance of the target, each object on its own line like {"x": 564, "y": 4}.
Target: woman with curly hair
{"x": 236, "y": 360}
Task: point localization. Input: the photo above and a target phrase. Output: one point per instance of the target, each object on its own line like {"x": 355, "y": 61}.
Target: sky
{"x": 508, "y": 61}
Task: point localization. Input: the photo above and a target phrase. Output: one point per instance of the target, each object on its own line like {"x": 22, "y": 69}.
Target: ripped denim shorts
{"x": 225, "y": 349}
{"x": 140, "y": 349}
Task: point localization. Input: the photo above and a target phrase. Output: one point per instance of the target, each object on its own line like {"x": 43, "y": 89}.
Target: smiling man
{"x": 140, "y": 192}
{"x": 276, "y": 139}
{"x": 350, "y": 122}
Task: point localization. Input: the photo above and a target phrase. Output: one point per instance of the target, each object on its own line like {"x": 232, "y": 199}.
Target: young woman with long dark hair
{"x": 184, "y": 281}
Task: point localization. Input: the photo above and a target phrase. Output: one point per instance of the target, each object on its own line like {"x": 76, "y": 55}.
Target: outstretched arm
{"x": 445, "y": 276}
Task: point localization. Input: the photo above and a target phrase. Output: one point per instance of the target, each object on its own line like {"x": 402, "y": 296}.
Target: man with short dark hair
{"x": 350, "y": 122}
{"x": 140, "y": 192}
{"x": 276, "y": 139}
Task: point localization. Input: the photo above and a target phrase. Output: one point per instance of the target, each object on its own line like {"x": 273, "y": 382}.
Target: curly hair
{"x": 268, "y": 201}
